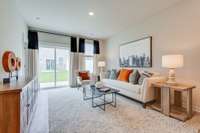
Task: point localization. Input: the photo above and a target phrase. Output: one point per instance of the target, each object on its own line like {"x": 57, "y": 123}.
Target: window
{"x": 89, "y": 57}
{"x": 89, "y": 48}
{"x": 89, "y": 64}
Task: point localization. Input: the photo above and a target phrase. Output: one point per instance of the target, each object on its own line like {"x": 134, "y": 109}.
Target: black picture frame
{"x": 140, "y": 61}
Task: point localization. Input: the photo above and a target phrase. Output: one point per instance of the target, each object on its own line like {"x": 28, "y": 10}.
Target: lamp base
{"x": 101, "y": 75}
{"x": 172, "y": 77}
{"x": 98, "y": 78}
{"x": 171, "y": 82}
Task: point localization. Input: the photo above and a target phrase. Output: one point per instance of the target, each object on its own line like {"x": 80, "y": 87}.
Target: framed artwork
{"x": 136, "y": 53}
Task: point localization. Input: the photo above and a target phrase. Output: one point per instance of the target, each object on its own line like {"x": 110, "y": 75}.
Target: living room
{"x": 99, "y": 66}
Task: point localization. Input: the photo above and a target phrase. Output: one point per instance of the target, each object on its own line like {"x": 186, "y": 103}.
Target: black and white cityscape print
{"x": 136, "y": 54}
{"x": 135, "y": 61}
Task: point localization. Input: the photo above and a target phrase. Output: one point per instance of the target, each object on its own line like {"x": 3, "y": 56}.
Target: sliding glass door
{"x": 54, "y": 67}
{"x": 62, "y": 67}
{"x": 47, "y": 67}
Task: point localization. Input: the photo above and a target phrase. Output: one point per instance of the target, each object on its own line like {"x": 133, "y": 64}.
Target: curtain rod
{"x": 60, "y": 34}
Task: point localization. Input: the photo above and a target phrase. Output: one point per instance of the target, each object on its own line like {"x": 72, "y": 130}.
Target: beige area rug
{"x": 68, "y": 113}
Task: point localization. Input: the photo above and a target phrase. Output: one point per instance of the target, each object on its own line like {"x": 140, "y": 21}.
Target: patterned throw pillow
{"x": 113, "y": 74}
{"x": 142, "y": 77}
{"x": 134, "y": 77}
{"x": 149, "y": 74}
{"x": 107, "y": 75}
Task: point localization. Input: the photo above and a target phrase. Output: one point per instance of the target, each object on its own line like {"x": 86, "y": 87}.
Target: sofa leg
{"x": 144, "y": 105}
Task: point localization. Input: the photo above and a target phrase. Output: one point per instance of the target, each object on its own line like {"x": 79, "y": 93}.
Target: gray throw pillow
{"x": 113, "y": 74}
{"x": 134, "y": 77}
{"x": 107, "y": 75}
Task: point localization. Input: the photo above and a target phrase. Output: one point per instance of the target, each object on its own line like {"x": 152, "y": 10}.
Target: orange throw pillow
{"x": 84, "y": 75}
{"x": 124, "y": 75}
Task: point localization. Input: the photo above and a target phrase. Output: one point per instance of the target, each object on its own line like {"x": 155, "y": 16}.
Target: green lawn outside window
{"x": 46, "y": 77}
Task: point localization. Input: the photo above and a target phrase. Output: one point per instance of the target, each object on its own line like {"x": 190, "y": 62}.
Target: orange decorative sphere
{"x": 18, "y": 63}
{"x": 9, "y": 61}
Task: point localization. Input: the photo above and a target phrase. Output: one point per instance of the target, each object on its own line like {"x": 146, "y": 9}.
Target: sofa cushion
{"x": 124, "y": 75}
{"x": 122, "y": 85}
{"x": 134, "y": 77}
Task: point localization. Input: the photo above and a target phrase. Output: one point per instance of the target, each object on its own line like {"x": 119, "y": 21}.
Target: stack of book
{"x": 104, "y": 89}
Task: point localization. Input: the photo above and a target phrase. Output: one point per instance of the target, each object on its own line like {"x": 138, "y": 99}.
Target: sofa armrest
{"x": 93, "y": 78}
{"x": 147, "y": 89}
{"x": 79, "y": 80}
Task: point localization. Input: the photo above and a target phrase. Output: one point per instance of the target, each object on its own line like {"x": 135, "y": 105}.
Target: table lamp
{"x": 101, "y": 65}
{"x": 172, "y": 62}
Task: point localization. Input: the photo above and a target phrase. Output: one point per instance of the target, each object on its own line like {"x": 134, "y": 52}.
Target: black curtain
{"x": 73, "y": 44}
{"x": 81, "y": 45}
{"x": 32, "y": 40}
{"x": 96, "y": 47}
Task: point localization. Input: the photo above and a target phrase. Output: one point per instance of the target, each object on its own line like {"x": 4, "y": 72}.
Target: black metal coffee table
{"x": 101, "y": 96}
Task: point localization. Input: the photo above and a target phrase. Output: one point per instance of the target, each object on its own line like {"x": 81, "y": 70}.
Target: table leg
{"x": 165, "y": 100}
{"x": 189, "y": 103}
{"x": 84, "y": 93}
{"x": 115, "y": 99}
{"x": 157, "y": 95}
{"x": 92, "y": 98}
{"x": 112, "y": 97}
{"x": 104, "y": 98}
{"x": 178, "y": 98}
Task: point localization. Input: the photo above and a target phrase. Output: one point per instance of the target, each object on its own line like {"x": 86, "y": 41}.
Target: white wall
{"x": 175, "y": 31}
{"x": 13, "y": 31}
{"x": 101, "y": 56}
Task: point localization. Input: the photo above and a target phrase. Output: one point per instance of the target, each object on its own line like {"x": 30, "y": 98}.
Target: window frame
{"x": 89, "y": 56}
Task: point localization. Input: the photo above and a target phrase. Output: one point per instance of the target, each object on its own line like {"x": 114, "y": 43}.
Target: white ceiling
{"x": 71, "y": 16}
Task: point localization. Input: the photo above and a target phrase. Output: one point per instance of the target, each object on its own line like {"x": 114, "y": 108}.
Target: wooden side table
{"x": 163, "y": 100}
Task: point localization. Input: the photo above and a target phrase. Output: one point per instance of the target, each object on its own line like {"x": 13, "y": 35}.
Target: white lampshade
{"x": 172, "y": 61}
{"x": 101, "y": 64}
